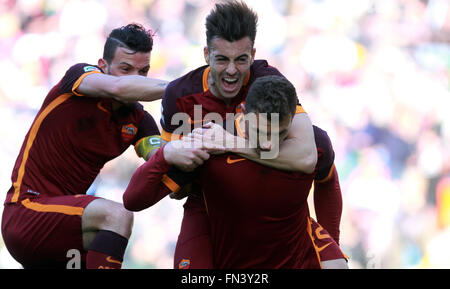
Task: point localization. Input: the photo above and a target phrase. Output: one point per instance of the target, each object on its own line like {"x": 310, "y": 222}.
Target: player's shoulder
{"x": 189, "y": 83}
{"x": 323, "y": 142}
{"x": 321, "y": 137}
{"x": 319, "y": 131}
{"x": 260, "y": 63}
{"x": 72, "y": 77}
{"x": 261, "y": 67}
{"x": 141, "y": 111}
{"x": 325, "y": 153}
{"x": 139, "y": 107}
{"x": 83, "y": 68}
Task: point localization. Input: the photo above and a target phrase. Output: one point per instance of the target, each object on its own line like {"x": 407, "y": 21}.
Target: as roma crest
{"x": 128, "y": 132}
{"x": 184, "y": 264}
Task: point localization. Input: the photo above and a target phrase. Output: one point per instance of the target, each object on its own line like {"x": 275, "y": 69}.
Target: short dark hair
{"x": 272, "y": 94}
{"x": 132, "y": 36}
{"x": 231, "y": 21}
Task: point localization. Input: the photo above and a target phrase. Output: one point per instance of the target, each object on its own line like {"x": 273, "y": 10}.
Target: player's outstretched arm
{"x": 122, "y": 88}
{"x": 328, "y": 203}
{"x": 150, "y": 182}
{"x": 327, "y": 190}
{"x": 146, "y": 187}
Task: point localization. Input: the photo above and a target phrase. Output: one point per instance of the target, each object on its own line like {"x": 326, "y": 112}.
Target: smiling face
{"x": 229, "y": 65}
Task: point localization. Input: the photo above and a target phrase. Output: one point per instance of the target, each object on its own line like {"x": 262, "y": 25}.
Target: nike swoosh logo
{"x": 320, "y": 249}
{"x": 232, "y": 161}
{"x": 110, "y": 260}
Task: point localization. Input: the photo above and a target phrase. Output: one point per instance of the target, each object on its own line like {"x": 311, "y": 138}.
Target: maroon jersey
{"x": 259, "y": 216}
{"x": 192, "y": 89}
{"x": 72, "y": 137}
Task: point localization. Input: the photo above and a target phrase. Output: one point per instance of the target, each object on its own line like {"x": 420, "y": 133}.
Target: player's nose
{"x": 231, "y": 69}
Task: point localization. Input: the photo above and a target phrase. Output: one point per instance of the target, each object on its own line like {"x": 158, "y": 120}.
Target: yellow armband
{"x": 146, "y": 145}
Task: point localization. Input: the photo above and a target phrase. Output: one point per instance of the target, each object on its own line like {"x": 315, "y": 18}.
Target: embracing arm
{"x": 146, "y": 187}
{"x": 328, "y": 203}
{"x": 298, "y": 151}
{"x": 154, "y": 180}
{"x": 122, "y": 88}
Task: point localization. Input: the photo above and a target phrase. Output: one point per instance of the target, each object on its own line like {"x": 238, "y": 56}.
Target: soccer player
{"x": 89, "y": 117}
{"x": 258, "y": 216}
{"x": 219, "y": 87}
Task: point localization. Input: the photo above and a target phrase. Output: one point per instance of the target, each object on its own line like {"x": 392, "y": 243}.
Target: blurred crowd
{"x": 375, "y": 74}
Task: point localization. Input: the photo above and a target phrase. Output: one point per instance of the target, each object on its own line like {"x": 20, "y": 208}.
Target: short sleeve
{"x": 147, "y": 127}
{"x": 262, "y": 68}
{"x": 169, "y": 110}
{"x": 73, "y": 77}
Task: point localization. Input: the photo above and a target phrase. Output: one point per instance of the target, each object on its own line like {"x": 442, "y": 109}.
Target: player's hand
{"x": 187, "y": 154}
{"x": 212, "y": 134}
{"x": 207, "y": 144}
{"x": 185, "y": 157}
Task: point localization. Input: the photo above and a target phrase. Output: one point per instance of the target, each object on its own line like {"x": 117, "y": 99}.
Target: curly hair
{"x": 132, "y": 36}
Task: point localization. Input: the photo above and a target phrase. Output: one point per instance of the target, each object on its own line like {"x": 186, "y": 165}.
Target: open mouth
{"x": 230, "y": 84}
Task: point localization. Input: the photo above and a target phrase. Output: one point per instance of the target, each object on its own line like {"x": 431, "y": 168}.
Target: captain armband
{"x": 146, "y": 145}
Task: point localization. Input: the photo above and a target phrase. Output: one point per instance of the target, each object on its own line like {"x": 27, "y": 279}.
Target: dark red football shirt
{"x": 71, "y": 139}
{"x": 258, "y": 216}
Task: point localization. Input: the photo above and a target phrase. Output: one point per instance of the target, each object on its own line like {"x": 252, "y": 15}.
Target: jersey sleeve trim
{"x": 238, "y": 126}
{"x": 205, "y": 78}
{"x": 79, "y": 80}
{"x": 330, "y": 173}
{"x": 167, "y": 136}
{"x": 170, "y": 184}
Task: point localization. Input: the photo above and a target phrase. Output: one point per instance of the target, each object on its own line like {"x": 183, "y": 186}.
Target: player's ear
{"x": 206, "y": 54}
{"x": 102, "y": 64}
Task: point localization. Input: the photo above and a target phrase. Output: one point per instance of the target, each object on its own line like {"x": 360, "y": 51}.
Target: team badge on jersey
{"x": 184, "y": 264}
{"x": 128, "y": 132}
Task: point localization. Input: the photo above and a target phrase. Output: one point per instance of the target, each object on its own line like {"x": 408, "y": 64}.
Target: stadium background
{"x": 375, "y": 74}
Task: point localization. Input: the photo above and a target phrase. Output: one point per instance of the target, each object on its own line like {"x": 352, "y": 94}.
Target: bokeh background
{"x": 375, "y": 74}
